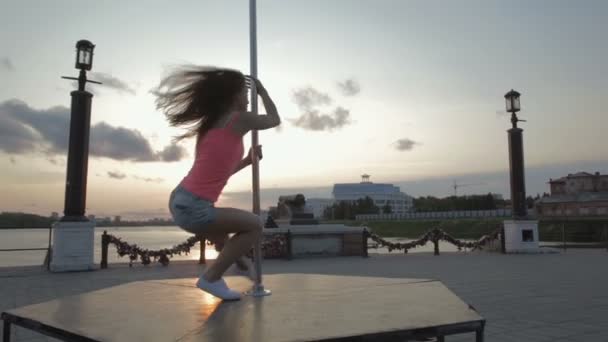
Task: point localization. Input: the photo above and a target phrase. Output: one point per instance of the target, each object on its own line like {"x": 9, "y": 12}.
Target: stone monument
{"x": 294, "y": 208}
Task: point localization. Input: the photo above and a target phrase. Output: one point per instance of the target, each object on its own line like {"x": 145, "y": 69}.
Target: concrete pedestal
{"x": 323, "y": 239}
{"x": 73, "y": 246}
{"x": 521, "y": 236}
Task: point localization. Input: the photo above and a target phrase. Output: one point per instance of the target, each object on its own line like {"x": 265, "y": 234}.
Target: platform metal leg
{"x": 6, "y": 331}
{"x": 479, "y": 335}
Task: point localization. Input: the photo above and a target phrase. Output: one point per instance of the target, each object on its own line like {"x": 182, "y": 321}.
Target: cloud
{"x": 315, "y": 121}
{"x": 120, "y": 143}
{"x": 172, "y": 153}
{"x": 308, "y": 98}
{"x": 149, "y": 180}
{"x": 27, "y": 130}
{"x": 6, "y": 63}
{"x": 120, "y": 175}
{"x": 15, "y": 137}
{"x": 108, "y": 81}
{"x": 405, "y": 144}
{"x": 50, "y": 125}
{"x": 349, "y": 87}
{"x": 309, "y": 101}
{"x": 90, "y": 87}
{"x": 112, "y": 82}
{"x": 116, "y": 175}
{"x": 56, "y": 161}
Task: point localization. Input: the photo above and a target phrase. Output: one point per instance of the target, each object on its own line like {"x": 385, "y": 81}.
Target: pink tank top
{"x": 218, "y": 154}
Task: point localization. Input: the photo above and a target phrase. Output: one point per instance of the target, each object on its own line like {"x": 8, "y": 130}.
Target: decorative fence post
{"x": 564, "y": 235}
{"x": 606, "y": 235}
{"x": 503, "y": 246}
{"x": 105, "y": 242}
{"x": 289, "y": 250}
{"x": 364, "y": 243}
{"x": 435, "y": 233}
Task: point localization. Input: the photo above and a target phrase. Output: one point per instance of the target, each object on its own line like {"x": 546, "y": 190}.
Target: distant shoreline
{"x": 9, "y": 220}
{"x": 120, "y": 225}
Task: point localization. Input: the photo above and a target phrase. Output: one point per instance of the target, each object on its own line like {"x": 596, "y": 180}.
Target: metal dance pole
{"x": 258, "y": 288}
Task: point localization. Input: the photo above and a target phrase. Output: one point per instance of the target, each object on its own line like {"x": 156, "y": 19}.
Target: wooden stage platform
{"x": 303, "y": 307}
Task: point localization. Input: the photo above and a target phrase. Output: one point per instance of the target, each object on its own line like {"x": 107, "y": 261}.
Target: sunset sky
{"x": 410, "y": 92}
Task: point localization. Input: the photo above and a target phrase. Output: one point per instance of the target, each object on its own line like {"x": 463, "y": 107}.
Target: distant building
{"x": 579, "y": 194}
{"x": 318, "y": 205}
{"x": 381, "y": 194}
{"x": 91, "y": 218}
{"x": 117, "y": 219}
{"x": 55, "y": 215}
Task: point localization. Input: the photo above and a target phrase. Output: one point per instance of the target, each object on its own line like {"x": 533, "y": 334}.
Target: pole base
{"x": 258, "y": 290}
{"x": 521, "y": 236}
{"x": 73, "y": 246}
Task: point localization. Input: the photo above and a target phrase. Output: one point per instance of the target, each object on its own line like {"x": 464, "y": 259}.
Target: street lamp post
{"x": 520, "y": 234}
{"x": 78, "y": 151}
{"x": 73, "y": 235}
{"x": 516, "y": 157}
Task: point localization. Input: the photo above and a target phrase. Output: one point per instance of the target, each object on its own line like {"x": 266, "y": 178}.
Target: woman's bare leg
{"x": 219, "y": 243}
{"x": 247, "y": 227}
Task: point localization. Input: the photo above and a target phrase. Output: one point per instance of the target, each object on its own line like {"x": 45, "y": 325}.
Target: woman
{"x": 212, "y": 102}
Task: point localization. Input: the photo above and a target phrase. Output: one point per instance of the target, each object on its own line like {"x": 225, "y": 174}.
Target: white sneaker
{"x": 218, "y": 288}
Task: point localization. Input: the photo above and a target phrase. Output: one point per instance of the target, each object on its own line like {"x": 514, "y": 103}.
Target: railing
{"x": 273, "y": 246}
{"x": 47, "y": 258}
{"x": 574, "y": 234}
{"x": 436, "y": 215}
{"x": 435, "y": 236}
{"x": 279, "y": 245}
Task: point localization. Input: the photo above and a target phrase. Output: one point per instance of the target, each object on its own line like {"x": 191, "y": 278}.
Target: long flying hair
{"x": 197, "y": 96}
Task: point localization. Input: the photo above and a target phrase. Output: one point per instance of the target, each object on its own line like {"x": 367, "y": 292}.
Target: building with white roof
{"x": 381, "y": 193}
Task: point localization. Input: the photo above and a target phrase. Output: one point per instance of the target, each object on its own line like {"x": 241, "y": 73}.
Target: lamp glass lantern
{"x": 512, "y": 101}
{"x": 84, "y": 55}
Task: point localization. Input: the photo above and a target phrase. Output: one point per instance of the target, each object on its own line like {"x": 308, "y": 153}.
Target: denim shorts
{"x": 191, "y": 212}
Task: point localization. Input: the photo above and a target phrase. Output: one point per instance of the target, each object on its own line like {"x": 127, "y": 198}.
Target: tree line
{"x": 461, "y": 203}
{"x": 348, "y": 210}
{"x": 474, "y": 202}
{"x": 23, "y": 220}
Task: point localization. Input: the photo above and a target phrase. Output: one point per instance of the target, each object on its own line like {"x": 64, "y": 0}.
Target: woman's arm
{"x": 271, "y": 108}
{"x": 248, "y": 121}
{"x": 242, "y": 164}
{"x": 247, "y": 160}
